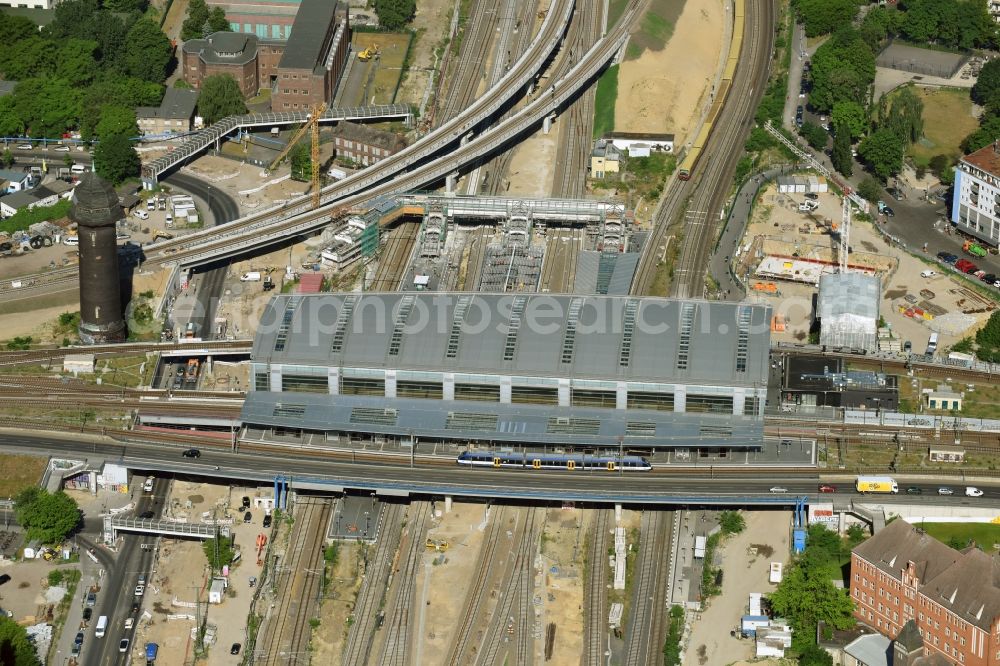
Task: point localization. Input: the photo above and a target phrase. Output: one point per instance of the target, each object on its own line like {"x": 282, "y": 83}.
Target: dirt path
{"x": 743, "y": 572}
{"x": 430, "y": 26}
{"x": 661, "y": 91}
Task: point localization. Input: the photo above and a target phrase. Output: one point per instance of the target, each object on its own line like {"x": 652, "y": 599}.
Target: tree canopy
{"x": 883, "y": 151}
{"x": 824, "y": 16}
{"x": 840, "y": 156}
{"x": 219, "y": 552}
{"x": 148, "y": 52}
{"x": 15, "y": 648}
{"x": 220, "y": 96}
{"x": 301, "y": 160}
{"x": 47, "y": 517}
{"x": 202, "y": 21}
{"x": 852, "y": 115}
{"x": 988, "y": 339}
{"x": 116, "y": 119}
{"x": 807, "y": 595}
{"x": 986, "y": 91}
{"x": 948, "y": 23}
{"x": 115, "y": 159}
{"x": 843, "y": 69}
{"x": 814, "y": 134}
{"x": 394, "y": 14}
{"x": 902, "y": 113}
{"x": 89, "y": 56}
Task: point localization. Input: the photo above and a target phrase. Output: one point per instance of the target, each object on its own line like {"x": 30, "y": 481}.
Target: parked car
{"x": 894, "y": 193}
{"x": 79, "y": 638}
{"x": 135, "y": 607}
{"x": 24, "y": 146}
{"x": 140, "y": 590}
{"x": 972, "y": 491}
{"x": 247, "y": 517}
{"x": 141, "y": 214}
{"x": 944, "y": 490}
{"x": 267, "y": 520}
{"x": 827, "y": 488}
{"x": 123, "y": 645}
{"x": 966, "y": 266}
{"x": 907, "y": 346}
{"x": 989, "y": 278}
{"x": 129, "y": 623}
{"x": 87, "y": 614}
{"x": 246, "y": 502}
{"x": 92, "y": 599}
{"x": 888, "y": 212}
{"x": 235, "y": 648}
{"x": 927, "y": 274}
{"x": 947, "y": 257}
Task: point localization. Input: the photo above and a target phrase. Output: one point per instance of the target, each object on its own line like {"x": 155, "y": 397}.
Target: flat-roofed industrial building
{"x": 552, "y": 370}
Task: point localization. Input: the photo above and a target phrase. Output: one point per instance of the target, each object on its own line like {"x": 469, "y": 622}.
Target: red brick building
{"x": 903, "y": 574}
{"x": 363, "y": 144}
{"x": 299, "y": 72}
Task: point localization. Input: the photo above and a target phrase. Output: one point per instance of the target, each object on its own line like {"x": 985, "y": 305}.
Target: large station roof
{"x": 576, "y": 337}
{"x": 495, "y": 422}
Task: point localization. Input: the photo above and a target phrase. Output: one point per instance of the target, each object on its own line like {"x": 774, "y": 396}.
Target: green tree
{"x": 126, "y": 6}
{"x": 843, "y": 69}
{"x": 879, "y": 23}
{"x": 989, "y": 335}
{"x": 814, "y": 655}
{"x": 807, "y": 596}
{"x": 147, "y": 51}
{"x": 76, "y": 62}
{"x": 824, "y": 16}
{"x": 301, "y": 162}
{"x": 47, "y": 517}
{"x": 46, "y": 107}
{"x": 116, "y": 119}
{"x": 946, "y": 22}
{"x": 114, "y": 89}
{"x": 903, "y": 114}
{"x": 840, "y": 156}
{"x": 732, "y": 522}
{"x": 15, "y": 648}
{"x": 115, "y": 159}
{"x": 869, "y": 189}
{"x": 853, "y": 115}
{"x": 194, "y": 24}
{"x": 883, "y": 151}
{"x": 987, "y": 89}
{"x": 219, "y": 552}
{"x": 15, "y": 28}
{"x": 7, "y": 158}
{"x": 988, "y": 132}
{"x": 394, "y": 14}
{"x": 217, "y": 21}
{"x": 815, "y": 135}
{"x": 220, "y": 97}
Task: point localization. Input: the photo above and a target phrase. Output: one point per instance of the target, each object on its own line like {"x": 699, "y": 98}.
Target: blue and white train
{"x": 571, "y": 461}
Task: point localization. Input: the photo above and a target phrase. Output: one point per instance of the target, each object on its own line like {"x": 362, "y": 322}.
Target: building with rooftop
{"x": 299, "y": 72}
{"x": 847, "y": 310}
{"x": 363, "y": 144}
{"x": 605, "y": 158}
{"x": 523, "y": 370}
{"x": 265, "y": 19}
{"x": 820, "y": 381}
{"x": 174, "y": 114}
{"x": 975, "y": 206}
{"x": 639, "y": 144}
{"x": 903, "y": 575}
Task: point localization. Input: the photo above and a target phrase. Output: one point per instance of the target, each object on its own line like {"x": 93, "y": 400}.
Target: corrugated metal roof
{"x": 585, "y": 280}
{"x": 848, "y": 293}
{"x": 485, "y": 421}
{"x": 621, "y": 278}
{"x": 715, "y": 343}
{"x": 310, "y": 283}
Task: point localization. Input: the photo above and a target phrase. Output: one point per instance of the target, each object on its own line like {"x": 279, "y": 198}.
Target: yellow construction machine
{"x": 368, "y": 53}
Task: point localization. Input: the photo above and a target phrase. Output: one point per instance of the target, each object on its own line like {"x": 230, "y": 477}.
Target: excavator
{"x": 368, "y": 53}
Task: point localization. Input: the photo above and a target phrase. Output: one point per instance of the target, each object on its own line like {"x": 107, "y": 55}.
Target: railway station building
{"x": 593, "y": 372}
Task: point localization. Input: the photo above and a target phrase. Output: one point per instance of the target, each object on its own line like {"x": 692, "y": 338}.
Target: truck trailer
{"x": 876, "y": 484}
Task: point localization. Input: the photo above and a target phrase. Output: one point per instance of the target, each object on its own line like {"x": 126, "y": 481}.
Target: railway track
{"x": 648, "y": 602}
{"x": 517, "y": 590}
{"x": 126, "y": 349}
{"x": 397, "y": 648}
{"x": 471, "y": 62}
{"x": 291, "y": 634}
{"x": 595, "y": 600}
{"x": 476, "y": 595}
{"x": 573, "y": 151}
{"x": 373, "y": 589}
{"x": 395, "y": 257}
{"x": 700, "y": 198}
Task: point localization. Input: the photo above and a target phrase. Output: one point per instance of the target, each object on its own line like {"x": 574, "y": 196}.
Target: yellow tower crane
{"x": 311, "y": 124}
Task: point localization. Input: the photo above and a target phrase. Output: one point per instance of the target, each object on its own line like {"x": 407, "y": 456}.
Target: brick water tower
{"x": 96, "y": 211}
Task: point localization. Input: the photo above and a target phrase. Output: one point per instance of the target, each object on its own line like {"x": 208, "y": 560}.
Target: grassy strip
{"x": 604, "y": 103}
{"x": 672, "y": 645}
{"x": 24, "y": 218}
{"x": 958, "y": 535}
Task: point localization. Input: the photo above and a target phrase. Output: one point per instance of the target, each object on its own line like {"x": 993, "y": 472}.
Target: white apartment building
{"x": 975, "y": 208}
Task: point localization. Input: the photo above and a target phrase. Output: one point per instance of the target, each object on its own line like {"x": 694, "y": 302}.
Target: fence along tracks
{"x": 296, "y": 597}
{"x": 595, "y": 600}
{"x": 397, "y": 648}
{"x": 373, "y": 589}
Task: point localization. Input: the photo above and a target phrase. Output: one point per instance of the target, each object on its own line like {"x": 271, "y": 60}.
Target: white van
{"x": 72, "y": 240}
{"x": 142, "y": 215}
{"x": 102, "y": 625}
{"x": 148, "y": 486}
{"x": 78, "y": 169}
{"x": 252, "y": 276}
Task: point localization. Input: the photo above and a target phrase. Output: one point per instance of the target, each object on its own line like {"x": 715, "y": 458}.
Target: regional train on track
{"x": 693, "y": 153}
{"x": 569, "y": 461}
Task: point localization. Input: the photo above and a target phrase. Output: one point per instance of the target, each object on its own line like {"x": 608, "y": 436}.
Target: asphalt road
{"x": 683, "y": 487}
{"x": 118, "y": 588}
{"x": 223, "y": 208}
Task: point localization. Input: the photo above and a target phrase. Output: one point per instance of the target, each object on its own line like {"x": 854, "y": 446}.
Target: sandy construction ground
{"x": 430, "y": 25}
{"x": 662, "y": 91}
